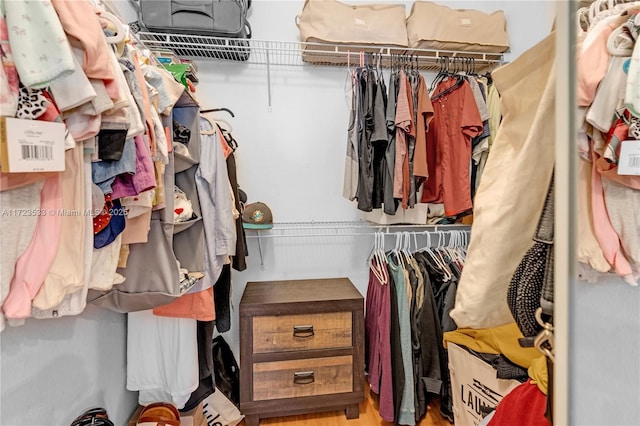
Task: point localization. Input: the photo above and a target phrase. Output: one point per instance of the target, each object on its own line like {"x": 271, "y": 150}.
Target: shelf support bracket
{"x": 260, "y": 250}
{"x": 269, "y": 74}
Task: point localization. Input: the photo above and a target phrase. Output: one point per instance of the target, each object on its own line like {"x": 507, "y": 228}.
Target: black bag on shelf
{"x": 200, "y": 28}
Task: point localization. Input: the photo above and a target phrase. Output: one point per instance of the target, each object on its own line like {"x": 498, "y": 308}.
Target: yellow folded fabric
{"x": 495, "y": 340}
{"x": 538, "y": 373}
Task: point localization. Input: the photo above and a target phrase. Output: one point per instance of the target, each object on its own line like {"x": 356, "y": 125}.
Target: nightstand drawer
{"x": 302, "y": 332}
{"x": 303, "y": 377}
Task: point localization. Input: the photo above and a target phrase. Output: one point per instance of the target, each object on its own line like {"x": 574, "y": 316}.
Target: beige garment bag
{"x": 512, "y": 189}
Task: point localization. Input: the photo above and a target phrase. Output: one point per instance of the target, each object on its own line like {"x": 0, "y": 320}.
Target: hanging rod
{"x": 353, "y": 234}
{"x": 288, "y": 229}
{"x": 359, "y": 224}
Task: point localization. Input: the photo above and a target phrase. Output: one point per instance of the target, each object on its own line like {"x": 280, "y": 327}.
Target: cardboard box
{"x": 474, "y": 384}
{"x": 194, "y": 417}
{"x": 135, "y": 416}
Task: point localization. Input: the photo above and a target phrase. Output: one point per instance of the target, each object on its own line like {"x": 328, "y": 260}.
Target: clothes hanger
{"x": 383, "y": 258}
{"x": 396, "y": 251}
{"x": 227, "y": 110}
{"x": 228, "y": 128}
{"x": 406, "y": 249}
{"x": 121, "y": 31}
{"x": 594, "y": 8}
{"x": 430, "y": 251}
{"x": 428, "y": 244}
{"x": 582, "y": 19}
{"x": 440, "y": 253}
{"x": 375, "y": 263}
{"x": 442, "y": 73}
{"x": 374, "y": 247}
{"x": 214, "y": 126}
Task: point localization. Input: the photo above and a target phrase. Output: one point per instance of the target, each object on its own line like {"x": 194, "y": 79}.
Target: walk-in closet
{"x": 319, "y": 212}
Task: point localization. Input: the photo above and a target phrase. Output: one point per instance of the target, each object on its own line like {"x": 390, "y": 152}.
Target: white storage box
{"x": 473, "y": 385}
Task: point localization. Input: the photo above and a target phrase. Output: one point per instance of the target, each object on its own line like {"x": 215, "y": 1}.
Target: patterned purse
{"x": 532, "y": 284}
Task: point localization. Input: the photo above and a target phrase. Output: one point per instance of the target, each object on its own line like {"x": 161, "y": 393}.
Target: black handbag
{"x": 227, "y": 372}
{"x": 532, "y": 283}
{"x": 223, "y": 23}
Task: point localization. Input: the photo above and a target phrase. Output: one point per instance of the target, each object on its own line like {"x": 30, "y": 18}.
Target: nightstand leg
{"x": 251, "y": 420}
{"x": 353, "y": 411}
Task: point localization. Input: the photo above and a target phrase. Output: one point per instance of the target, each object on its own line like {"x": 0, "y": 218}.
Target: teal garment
{"x": 407, "y": 414}
{"x": 40, "y": 48}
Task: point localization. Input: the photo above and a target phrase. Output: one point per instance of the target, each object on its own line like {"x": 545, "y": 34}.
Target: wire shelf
{"x": 291, "y": 53}
{"x": 348, "y": 228}
{"x": 340, "y": 229}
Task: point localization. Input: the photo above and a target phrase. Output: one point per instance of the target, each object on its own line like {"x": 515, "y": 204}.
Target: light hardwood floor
{"x": 368, "y": 417}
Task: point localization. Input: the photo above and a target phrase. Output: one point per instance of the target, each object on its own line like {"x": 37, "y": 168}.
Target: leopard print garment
{"x": 31, "y": 103}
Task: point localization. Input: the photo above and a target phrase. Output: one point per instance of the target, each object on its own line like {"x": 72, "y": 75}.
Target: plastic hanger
{"x": 442, "y": 73}
{"x": 582, "y": 20}
{"x": 594, "y": 10}
{"x": 396, "y": 250}
{"x": 227, "y": 110}
{"x": 376, "y": 263}
{"x": 430, "y": 251}
{"x": 228, "y": 128}
{"x": 406, "y": 248}
{"x": 121, "y": 31}
{"x": 214, "y": 126}
{"x": 439, "y": 253}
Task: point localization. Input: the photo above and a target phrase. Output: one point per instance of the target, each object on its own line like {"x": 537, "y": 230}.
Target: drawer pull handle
{"x": 303, "y": 377}
{"x": 303, "y": 331}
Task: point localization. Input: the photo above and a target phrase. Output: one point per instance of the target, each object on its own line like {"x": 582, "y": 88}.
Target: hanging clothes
{"x": 405, "y": 358}
{"x": 607, "y": 86}
{"x": 456, "y": 121}
{"x": 390, "y": 202}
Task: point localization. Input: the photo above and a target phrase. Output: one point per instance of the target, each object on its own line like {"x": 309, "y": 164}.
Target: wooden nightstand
{"x": 301, "y": 348}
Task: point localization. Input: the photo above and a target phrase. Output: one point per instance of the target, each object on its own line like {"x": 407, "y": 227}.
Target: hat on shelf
{"x": 257, "y": 216}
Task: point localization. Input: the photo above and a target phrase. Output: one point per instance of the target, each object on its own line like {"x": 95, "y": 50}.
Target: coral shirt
{"x": 456, "y": 121}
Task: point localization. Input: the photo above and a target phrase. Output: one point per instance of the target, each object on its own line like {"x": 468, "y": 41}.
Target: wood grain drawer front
{"x": 303, "y": 377}
{"x": 301, "y": 332}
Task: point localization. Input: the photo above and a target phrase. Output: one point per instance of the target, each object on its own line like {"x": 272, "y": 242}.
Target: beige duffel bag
{"x": 432, "y": 26}
{"x": 332, "y": 22}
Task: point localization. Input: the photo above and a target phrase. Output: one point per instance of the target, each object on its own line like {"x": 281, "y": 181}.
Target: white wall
{"x": 290, "y": 157}
{"x": 53, "y": 370}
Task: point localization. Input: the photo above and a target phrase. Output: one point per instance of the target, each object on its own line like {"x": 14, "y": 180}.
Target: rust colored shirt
{"x": 456, "y": 121}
